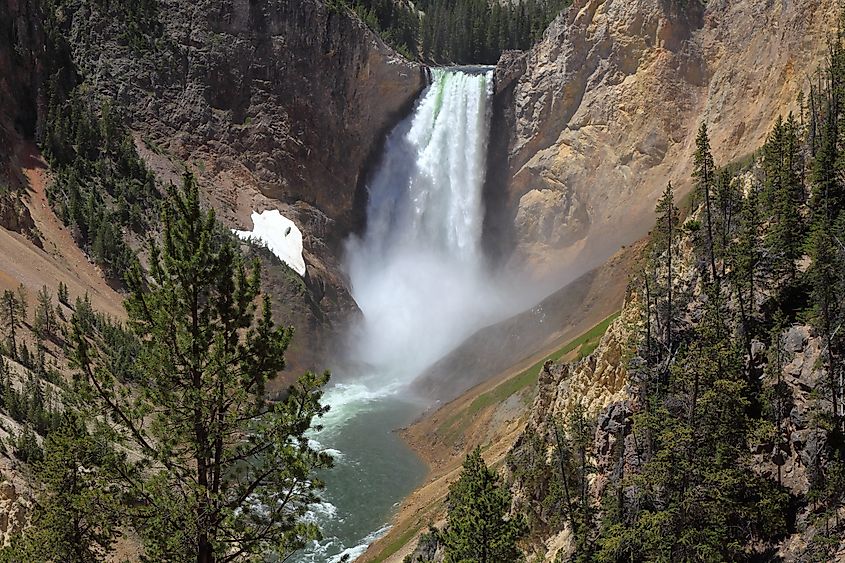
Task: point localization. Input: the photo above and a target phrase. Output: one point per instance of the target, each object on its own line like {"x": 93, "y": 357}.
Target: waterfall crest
{"x": 418, "y": 271}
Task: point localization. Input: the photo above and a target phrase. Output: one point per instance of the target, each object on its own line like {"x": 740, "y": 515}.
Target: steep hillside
{"x": 794, "y": 454}
{"x": 274, "y": 96}
{"x": 491, "y": 415}
{"x": 555, "y": 320}
{"x": 39, "y": 367}
{"x": 593, "y": 121}
{"x": 708, "y": 422}
{"x": 710, "y": 418}
{"x": 268, "y": 103}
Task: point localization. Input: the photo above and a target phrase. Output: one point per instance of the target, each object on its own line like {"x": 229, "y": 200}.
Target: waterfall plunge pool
{"x": 374, "y": 471}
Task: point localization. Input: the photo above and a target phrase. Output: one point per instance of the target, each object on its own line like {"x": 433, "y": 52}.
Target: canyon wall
{"x": 286, "y": 97}
{"x": 274, "y": 104}
{"x": 592, "y": 122}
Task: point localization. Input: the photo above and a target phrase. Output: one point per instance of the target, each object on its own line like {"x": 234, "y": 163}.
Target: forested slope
{"x": 104, "y": 105}
{"x": 463, "y": 31}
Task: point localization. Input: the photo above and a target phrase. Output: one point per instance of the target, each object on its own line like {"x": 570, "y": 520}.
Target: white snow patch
{"x": 281, "y": 236}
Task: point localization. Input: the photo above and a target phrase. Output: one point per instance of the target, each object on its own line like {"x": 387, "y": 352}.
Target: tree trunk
{"x": 707, "y": 178}
{"x": 669, "y": 289}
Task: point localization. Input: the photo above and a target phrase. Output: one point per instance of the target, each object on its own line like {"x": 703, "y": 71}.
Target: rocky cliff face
{"x": 601, "y": 385}
{"x": 286, "y": 97}
{"x": 15, "y": 509}
{"x": 274, "y": 104}
{"x": 593, "y": 121}
{"x": 21, "y": 76}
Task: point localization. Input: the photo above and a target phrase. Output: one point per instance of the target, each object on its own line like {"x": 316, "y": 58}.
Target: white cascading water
{"x": 418, "y": 276}
{"x": 418, "y": 272}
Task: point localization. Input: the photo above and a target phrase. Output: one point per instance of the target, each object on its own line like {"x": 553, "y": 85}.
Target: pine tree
{"x": 728, "y": 208}
{"x": 744, "y": 257}
{"x": 582, "y": 432}
{"x": 63, "y": 294}
{"x": 783, "y": 193}
{"x": 226, "y": 475}
{"x": 704, "y": 173}
{"x": 478, "y": 529}
{"x": 563, "y": 454}
{"x": 26, "y": 447}
{"x": 13, "y": 316}
{"x": 77, "y": 515}
{"x": 825, "y": 279}
{"x": 777, "y": 396}
{"x": 45, "y": 315}
{"x": 663, "y": 242}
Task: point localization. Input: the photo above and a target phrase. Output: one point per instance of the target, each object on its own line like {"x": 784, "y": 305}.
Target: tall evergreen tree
{"x": 783, "y": 193}
{"x": 744, "y": 257}
{"x": 663, "y": 242}
{"x": 478, "y": 529}
{"x": 581, "y": 432}
{"x": 704, "y": 173}
{"x": 825, "y": 275}
{"x": 13, "y": 307}
{"x": 63, "y": 294}
{"x": 45, "y": 315}
{"x": 226, "y": 475}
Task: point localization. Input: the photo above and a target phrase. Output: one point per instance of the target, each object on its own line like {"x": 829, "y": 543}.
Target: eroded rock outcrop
{"x": 15, "y": 507}
{"x": 604, "y": 387}
{"x": 593, "y": 121}
{"x": 599, "y": 384}
{"x": 287, "y": 96}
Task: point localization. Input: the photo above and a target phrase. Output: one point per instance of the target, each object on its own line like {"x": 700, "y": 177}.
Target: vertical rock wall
{"x": 594, "y": 120}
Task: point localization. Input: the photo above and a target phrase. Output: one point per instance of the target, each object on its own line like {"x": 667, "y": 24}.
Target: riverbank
{"x": 491, "y": 415}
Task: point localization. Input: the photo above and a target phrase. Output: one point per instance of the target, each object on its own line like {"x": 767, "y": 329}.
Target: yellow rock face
{"x": 604, "y": 110}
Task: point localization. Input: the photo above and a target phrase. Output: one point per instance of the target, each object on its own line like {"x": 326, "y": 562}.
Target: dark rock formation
{"x": 290, "y": 94}
{"x": 22, "y": 44}
{"x": 271, "y": 103}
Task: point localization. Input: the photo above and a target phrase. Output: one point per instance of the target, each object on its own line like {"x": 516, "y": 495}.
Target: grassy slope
{"x": 585, "y": 345}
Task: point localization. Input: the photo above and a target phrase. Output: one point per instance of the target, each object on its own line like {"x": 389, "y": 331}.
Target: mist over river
{"x": 419, "y": 277}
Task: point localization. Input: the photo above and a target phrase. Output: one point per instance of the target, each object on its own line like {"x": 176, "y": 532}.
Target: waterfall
{"x": 419, "y": 277}
{"x": 417, "y": 273}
